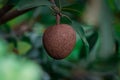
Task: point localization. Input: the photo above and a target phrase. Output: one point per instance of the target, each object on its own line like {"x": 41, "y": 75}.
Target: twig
{"x": 5, "y": 9}
{"x": 12, "y": 14}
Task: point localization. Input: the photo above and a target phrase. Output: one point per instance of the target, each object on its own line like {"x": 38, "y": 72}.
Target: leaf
{"x": 64, "y": 3}
{"x": 72, "y": 10}
{"x": 26, "y": 4}
{"x": 17, "y": 68}
{"x": 23, "y": 47}
{"x": 13, "y": 2}
{"x": 92, "y": 39}
{"x": 30, "y": 71}
{"x": 106, "y": 32}
{"x": 76, "y": 9}
{"x": 93, "y": 54}
{"x": 74, "y": 56}
{"x": 117, "y": 46}
{"x": 117, "y": 4}
{"x": 2, "y": 2}
{"x": 33, "y": 54}
{"x": 81, "y": 33}
{"x": 112, "y": 4}
{"x": 3, "y": 47}
{"x": 19, "y": 19}
{"x": 65, "y": 19}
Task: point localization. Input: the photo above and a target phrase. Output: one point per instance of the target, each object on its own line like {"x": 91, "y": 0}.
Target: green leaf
{"x": 65, "y": 19}
{"x": 112, "y": 4}
{"x": 2, "y": 2}
{"x": 106, "y": 32}
{"x": 78, "y": 27}
{"x": 26, "y": 4}
{"x": 74, "y": 56}
{"x": 64, "y": 3}
{"x": 23, "y": 47}
{"x": 117, "y": 4}
{"x": 76, "y": 9}
{"x": 16, "y": 68}
{"x": 30, "y": 71}
{"x": 93, "y": 54}
{"x": 13, "y": 2}
{"x": 3, "y": 47}
{"x": 19, "y": 19}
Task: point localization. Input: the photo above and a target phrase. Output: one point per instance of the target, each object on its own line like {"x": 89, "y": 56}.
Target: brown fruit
{"x": 59, "y": 40}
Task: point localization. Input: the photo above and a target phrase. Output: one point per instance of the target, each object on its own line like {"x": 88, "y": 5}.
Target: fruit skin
{"x": 59, "y": 40}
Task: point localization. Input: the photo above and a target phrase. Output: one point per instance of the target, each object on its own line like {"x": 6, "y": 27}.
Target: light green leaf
{"x": 23, "y": 47}
{"x": 11, "y": 69}
{"x": 3, "y": 47}
{"x": 106, "y": 32}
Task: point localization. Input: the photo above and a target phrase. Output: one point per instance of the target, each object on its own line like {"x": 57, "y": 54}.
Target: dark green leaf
{"x": 3, "y": 2}
{"x": 75, "y": 9}
{"x": 65, "y": 19}
{"x": 92, "y": 39}
{"x": 14, "y": 2}
{"x": 63, "y": 3}
{"x": 93, "y": 54}
{"x": 78, "y": 27}
{"x": 26, "y": 4}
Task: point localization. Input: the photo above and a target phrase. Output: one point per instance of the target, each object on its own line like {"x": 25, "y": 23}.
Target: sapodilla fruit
{"x": 59, "y": 40}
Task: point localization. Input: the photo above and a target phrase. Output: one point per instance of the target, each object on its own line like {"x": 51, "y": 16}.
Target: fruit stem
{"x": 57, "y": 11}
{"x": 57, "y": 19}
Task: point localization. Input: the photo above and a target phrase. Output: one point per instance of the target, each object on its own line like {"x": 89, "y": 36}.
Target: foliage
{"x": 96, "y": 55}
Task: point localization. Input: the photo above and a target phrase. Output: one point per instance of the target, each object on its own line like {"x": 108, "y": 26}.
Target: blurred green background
{"x": 96, "y": 55}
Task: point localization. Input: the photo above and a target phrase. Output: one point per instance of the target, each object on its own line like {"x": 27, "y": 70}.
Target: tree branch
{"x": 5, "y": 9}
{"x": 12, "y": 14}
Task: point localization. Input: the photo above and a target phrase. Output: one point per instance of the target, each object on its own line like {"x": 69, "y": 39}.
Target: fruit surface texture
{"x": 59, "y": 40}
